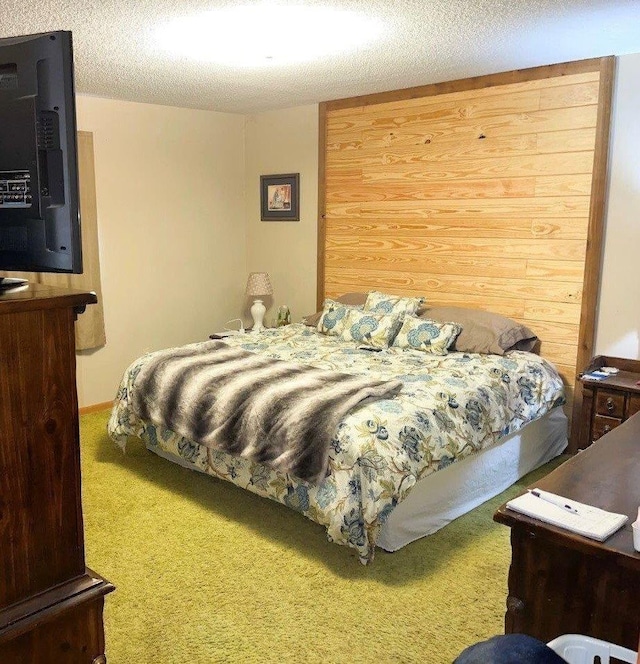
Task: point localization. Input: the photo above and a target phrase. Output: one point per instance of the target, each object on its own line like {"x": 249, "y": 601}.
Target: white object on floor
{"x": 578, "y": 649}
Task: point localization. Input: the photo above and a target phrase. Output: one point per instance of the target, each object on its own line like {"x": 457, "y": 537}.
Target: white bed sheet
{"x": 442, "y": 497}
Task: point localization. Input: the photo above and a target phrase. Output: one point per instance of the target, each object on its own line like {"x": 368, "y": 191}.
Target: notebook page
{"x": 590, "y": 521}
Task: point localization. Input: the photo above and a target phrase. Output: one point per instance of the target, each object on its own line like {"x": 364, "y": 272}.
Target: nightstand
{"x": 608, "y": 403}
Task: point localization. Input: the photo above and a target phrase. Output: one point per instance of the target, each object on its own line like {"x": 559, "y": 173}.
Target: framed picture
{"x": 280, "y": 197}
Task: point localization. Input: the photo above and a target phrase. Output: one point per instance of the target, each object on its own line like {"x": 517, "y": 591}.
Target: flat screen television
{"x": 39, "y": 210}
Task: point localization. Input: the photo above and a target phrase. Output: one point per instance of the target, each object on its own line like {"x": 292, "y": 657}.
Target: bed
{"x": 463, "y": 427}
{"x": 483, "y": 193}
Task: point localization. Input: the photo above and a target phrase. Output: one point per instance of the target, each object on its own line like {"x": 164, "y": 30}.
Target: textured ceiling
{"x": 425, "y": 41}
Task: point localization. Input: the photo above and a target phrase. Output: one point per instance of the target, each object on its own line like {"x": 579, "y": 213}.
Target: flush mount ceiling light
{"x": 267, "y": 35}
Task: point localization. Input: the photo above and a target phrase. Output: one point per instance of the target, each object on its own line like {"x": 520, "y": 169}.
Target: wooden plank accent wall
{"x": 487, "y": 192}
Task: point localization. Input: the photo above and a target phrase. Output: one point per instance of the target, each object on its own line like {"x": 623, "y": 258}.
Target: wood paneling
{"x": 486, "y": 192}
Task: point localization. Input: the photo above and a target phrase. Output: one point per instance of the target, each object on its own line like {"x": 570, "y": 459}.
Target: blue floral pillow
{"x": 381, "y": 303}
{"x": 366, "y": 328}
{"x": 426, "y": 335}
{"x": 332, "y": 319}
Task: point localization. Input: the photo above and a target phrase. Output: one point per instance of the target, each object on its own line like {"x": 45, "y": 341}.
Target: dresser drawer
{"x": 602, "y": 425}
{"x": 610, "y": 404}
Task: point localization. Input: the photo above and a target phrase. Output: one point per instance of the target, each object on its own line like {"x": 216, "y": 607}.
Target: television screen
{"x": 39, "y": 212}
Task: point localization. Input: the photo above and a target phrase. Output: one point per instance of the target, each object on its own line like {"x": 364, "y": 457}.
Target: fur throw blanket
{"x": 274, "y": 412}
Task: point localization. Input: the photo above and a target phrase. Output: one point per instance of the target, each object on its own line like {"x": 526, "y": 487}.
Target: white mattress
{"x": 441, "y": 497}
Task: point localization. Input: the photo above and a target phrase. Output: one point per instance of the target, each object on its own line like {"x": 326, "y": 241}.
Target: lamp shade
{"x": 259, "y": 284}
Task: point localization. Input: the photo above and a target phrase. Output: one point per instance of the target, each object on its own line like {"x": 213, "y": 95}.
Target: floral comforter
{"x": 450, "y": 406}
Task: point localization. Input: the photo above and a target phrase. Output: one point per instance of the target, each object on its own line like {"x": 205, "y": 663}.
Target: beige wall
{"x": 284, "y": 142}
{"x": 618, "y": 326}
{"x": 179, "y": 219}
{"x": 170, "y": 197}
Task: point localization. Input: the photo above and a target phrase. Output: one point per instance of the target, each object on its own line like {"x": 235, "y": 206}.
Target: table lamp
{"x": 258, "y": 285}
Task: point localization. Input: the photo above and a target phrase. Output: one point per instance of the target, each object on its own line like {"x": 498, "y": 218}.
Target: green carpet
{"x": 207, "y": 572}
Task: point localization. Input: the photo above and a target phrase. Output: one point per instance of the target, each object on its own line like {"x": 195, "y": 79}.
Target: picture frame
{"x": 280, "y": 197}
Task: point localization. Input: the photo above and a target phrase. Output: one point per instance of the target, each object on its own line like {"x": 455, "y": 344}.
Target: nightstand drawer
{"x": 602, "y": 425}
{"x": 610, "y": 404}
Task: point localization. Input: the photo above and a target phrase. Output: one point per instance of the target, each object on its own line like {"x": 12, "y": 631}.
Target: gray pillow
{"x": 484, "y": 331}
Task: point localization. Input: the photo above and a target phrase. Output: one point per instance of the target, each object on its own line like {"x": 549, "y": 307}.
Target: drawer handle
{"x": 606, "y": 428}
{"x": 610, "y": 405}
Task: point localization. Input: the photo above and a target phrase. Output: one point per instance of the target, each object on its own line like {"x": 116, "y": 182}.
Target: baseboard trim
{"x": 85, "y": 410}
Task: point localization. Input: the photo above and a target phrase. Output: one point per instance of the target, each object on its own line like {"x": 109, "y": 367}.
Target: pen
{"x": 554, "y": 500}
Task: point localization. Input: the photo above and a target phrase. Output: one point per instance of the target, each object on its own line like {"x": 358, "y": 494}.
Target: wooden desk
{"x": 563, "y": 583}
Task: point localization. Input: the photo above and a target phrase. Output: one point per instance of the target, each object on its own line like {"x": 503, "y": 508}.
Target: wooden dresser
{"x": 608, "y": 403}
{"x": 50, "y": 603}
{"x": 563, "y": 583}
